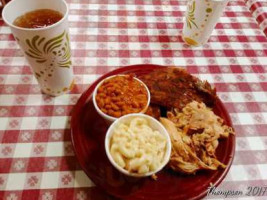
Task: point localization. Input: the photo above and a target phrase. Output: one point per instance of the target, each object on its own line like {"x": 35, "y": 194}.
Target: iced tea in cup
{"x": 200, "y": 19}
{"x": 41, "y": 29}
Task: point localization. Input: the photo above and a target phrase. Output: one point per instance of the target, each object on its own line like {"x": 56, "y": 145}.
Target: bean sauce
{"x": 121, "y": 95}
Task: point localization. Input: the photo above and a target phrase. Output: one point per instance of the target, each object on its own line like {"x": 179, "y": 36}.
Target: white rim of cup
{"x": 34, "y": 29}
{"x": 108, "y": 116}
{"x": 124, "y": 171}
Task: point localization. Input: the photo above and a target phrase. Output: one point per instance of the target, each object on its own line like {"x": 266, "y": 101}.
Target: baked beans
{"x": 121, "y": 95}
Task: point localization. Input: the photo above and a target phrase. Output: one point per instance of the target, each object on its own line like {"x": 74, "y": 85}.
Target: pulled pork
{"x": 194, "y": 132}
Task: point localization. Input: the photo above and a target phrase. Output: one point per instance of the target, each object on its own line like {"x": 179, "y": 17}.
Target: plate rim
{"x": 84, "y": 98}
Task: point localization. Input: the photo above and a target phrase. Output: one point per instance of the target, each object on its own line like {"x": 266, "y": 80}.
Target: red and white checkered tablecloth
{"x": 36, "y": 155}
{"x": 259, "y": 11}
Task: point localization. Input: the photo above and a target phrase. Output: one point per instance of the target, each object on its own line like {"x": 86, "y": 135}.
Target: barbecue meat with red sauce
{"x": 173, "y": 87}
{"x": 153, "y": 111}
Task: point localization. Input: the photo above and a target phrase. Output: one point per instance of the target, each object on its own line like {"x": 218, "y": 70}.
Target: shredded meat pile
{"x": 194, "y": 132}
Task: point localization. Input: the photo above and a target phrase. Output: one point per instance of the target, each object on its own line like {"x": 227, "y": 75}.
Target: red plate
{"x": 88, "y": 131}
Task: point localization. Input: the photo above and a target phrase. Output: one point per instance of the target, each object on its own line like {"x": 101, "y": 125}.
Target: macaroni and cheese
{"x": 136, "y": 147}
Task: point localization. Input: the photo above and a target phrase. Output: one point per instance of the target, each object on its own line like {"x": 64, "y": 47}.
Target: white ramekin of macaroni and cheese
{"x": 138, "y": 145}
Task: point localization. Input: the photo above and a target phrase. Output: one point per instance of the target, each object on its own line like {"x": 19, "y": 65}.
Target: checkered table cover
{"x": 36, "y": 155}
{"x": 259, "y": 11}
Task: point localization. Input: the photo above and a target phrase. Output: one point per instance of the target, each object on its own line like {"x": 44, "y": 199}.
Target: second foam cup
{"x": 200, "y": 19}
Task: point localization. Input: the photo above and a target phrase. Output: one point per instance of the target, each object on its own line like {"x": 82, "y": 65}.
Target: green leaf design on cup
{"x": 190, "y": 18}
{"x": 57, "y": 50}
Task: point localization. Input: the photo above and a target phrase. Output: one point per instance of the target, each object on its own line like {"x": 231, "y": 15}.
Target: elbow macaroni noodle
{"x": 136, "y": 147}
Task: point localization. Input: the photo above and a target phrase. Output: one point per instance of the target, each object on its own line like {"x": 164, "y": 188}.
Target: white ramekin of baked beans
{"x": 119, "y": 95}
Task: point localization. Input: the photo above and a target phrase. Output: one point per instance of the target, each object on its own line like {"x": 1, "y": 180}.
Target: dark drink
{"x": 38, "y": 18}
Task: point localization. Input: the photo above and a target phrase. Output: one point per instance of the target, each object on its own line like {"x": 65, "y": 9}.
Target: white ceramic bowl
{"x": 155, "y": 125}
{"x": 111, "y": 118}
